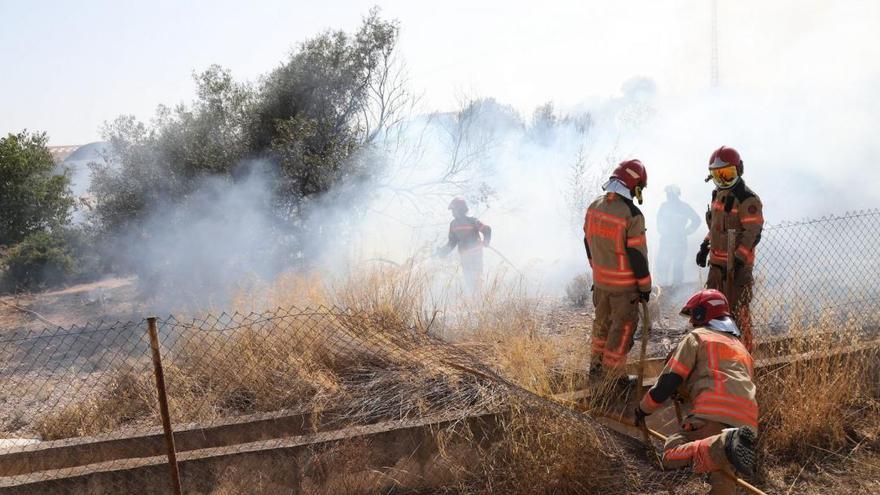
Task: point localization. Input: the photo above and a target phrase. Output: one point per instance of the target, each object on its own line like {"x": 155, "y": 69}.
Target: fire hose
{"x": 32, "y": 313}
{"x": 504, "y": 259}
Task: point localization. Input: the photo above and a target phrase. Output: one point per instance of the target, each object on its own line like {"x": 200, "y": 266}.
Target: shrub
{"x": 578, "y": 290}
{"x": 42, "y": 259}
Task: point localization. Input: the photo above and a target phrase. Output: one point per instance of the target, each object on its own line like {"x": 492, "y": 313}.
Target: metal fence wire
{"x": 823, "y": 268}
{"x": 80, "y": 404}
{"x": 806, "y": 274}
{"x": 241, "y": 384}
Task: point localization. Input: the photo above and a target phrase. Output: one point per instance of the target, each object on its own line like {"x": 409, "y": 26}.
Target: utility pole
{"x": 714, "y": 69}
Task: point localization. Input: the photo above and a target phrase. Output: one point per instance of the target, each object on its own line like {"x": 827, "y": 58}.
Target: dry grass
{"x": 386, "y": 366}
{"x": 376, "y": 364}
{"x": 819, "y": 404}
{"x": 128, "y": 397}
{"x": 541, "y": 451}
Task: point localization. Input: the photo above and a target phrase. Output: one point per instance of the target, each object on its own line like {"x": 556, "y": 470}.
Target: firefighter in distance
{"x": 470, "y": 236}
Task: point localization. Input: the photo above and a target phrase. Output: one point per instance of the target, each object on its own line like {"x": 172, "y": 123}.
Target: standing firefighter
{"x": 712, "y": 370}
{"x": 676, "y": 220}
{"x": 734, "y": 207}
{"x": 614, "y": 236}
{"x": 465, "y": 232}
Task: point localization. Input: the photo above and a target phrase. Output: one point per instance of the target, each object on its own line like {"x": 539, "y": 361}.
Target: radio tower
{"x": 714, "y": 74}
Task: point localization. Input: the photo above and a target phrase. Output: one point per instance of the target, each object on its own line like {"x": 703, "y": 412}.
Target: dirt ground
{"x": 112, "y": 299}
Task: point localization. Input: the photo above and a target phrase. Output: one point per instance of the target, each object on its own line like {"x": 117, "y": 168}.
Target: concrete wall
{"x": 397, "y": 455}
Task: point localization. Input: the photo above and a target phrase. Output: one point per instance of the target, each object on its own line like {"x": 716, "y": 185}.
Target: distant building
{"x": 60, "y": 153}
{"x": 76, "y": 160}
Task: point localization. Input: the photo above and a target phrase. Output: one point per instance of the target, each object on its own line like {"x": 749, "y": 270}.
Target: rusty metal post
{"x": 731, "y": 266}
{"x": 163, "y": 405}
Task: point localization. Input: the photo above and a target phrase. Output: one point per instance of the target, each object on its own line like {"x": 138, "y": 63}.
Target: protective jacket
{"x": 614, "y": 236}
{"x": 713, "y": 372}
{"x": 737, "y": 208}
{"x": 676, "y": 220}
{"x": 464, "y": 233}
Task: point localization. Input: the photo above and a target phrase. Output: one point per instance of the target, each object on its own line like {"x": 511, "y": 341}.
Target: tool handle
{"x": 727, "y": 474}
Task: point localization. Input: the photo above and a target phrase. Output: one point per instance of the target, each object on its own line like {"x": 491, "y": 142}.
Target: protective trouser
{"x": 472, "y": 269}
{"x": 670, "y": 258}
{"x": 740, "y": 297}
{"x": 617, "y": 315}
{"x": 700, "y": 445}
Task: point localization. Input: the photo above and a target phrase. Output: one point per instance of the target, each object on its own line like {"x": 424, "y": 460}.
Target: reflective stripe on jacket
{"x": 740, "y": 209}
{"x": 464, "y": 233}
{"x": 717, "y": 373}
{"x": 614, "y": 234}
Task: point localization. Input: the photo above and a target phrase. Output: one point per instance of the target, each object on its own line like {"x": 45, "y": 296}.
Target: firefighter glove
{"x": 640, "y": 416}
{"x": 703, "y": 255}
{"x": 645, "y": 295}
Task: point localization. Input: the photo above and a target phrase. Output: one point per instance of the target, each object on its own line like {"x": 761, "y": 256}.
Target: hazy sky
{"x": 69, "y": 66}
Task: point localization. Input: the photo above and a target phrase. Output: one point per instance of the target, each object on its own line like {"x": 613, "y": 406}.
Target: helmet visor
{"x": 724, "y": 177}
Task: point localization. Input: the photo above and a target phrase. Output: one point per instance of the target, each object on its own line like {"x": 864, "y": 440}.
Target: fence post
{"x": 163, "y": 405}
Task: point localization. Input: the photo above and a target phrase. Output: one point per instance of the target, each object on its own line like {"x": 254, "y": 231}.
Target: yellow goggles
{"x": 725, "y": 176}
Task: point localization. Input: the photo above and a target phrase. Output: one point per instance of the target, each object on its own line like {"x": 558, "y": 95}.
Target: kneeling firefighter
{"x": 712, "y": 371}
{"x": 617, "y": 250}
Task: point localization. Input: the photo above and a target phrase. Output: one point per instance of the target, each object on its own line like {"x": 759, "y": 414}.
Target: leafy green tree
{"x": 308, "y": 118}
{"x": 33, "y": 198}
{"x": 312, "y": 119}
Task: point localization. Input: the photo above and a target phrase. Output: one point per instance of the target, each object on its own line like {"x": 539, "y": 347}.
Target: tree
{"x": 33, "y": 198}
{"x": 314, "y": 113}
{"x": 312, "y": 123}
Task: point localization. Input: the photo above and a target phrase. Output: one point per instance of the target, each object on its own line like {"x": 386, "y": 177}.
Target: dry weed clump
{"x": 380, "y": 362}
{"x": 807, "y": 406}
{"x": 128, "y": 398}
{"x": 542, "y": 451}
{"x": 353, "y": 368}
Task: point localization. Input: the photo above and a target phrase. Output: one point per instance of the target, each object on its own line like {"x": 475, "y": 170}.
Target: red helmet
{"x": 458, "y": 204}
{"x": 725, "y": 156}
{"x": 706, "y": 305}
{"x": 632, "y": 173}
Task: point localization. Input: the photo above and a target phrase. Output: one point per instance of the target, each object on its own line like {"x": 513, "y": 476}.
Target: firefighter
{"x": 676, "y": 220}
{"x": 712, "y": 371}
{"x": 614, "y": 237}
{"x": 734, "y": 206}
{"x": 465, "y": 233}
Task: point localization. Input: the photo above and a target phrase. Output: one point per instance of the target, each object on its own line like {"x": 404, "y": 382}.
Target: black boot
{"x": 596, "y": 373}
{"x": 739, "y": 447}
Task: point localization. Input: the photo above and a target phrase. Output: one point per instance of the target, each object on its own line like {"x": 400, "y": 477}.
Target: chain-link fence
{"x": 294, "y": 386}
{"x": 812, "y": 269}
{"x": 246, "y": 389}
{"x": 805, "y": 272}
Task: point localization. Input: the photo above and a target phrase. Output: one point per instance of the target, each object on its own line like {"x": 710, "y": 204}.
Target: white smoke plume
{"x": 807, "y": 137}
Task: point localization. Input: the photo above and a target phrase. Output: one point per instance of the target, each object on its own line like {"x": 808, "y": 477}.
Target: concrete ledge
{"x": 81, "y": 451}
{"x": 403, "y": 454}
